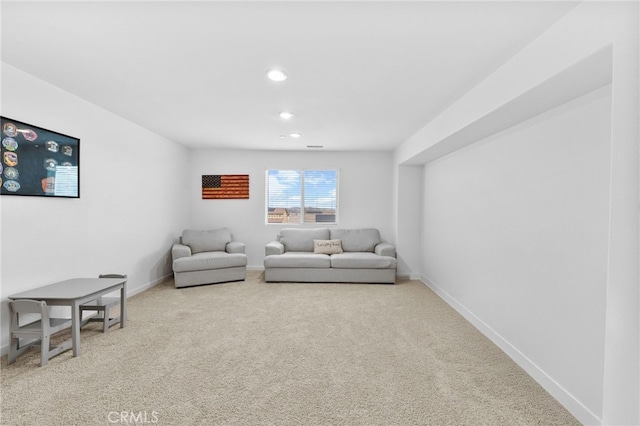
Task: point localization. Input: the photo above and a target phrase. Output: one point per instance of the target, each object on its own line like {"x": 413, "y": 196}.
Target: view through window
{"x": 302, "y": 196}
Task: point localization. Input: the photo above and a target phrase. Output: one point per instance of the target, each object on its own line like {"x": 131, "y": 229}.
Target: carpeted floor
{"x": 251, "y": 353}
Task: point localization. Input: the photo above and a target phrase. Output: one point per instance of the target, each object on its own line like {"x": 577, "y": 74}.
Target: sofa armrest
{"x": 274, "y": 247}
{"x": 385, "y": 249}
{"x": 235, "y": 247}
{"x": 180, "y": 250}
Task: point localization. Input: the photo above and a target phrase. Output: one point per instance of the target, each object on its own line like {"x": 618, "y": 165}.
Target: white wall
{"x": 408, "y": 219}
{"x": 596, "y": 38}
{"x": 132, "y": 201}
{"x": 363, "y": 199}
{"x": 515, "y": 232}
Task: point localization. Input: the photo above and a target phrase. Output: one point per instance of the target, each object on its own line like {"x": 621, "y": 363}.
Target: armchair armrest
{"x": 235, "y": 247}
{"x": 180, "y": 250}
{"x": 385, "y": 249}
{"x": 274, "y": 247}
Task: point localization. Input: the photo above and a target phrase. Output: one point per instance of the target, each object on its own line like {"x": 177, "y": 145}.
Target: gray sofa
{"x": 208, "y": 257}
{"x": 330, "y": 255}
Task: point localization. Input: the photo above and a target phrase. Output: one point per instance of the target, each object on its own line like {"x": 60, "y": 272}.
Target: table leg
{"x": 123, "y": 305}
{"x": 75, "y": 328}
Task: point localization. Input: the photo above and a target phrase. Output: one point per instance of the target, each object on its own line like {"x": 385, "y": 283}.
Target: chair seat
{"x": 55, "y": 325}
{"x": 102, "y": 306}
{"x": 106, "y": 303}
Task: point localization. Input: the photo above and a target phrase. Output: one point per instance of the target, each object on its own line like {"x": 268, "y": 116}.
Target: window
{"x": 302, "y": 196}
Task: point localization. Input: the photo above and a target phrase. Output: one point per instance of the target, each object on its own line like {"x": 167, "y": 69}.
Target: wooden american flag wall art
{"x": 217, "y": 187}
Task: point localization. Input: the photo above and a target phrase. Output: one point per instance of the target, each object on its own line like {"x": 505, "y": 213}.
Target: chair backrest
{"x": 113, "y": 276}
{"x": 27, "y": 306}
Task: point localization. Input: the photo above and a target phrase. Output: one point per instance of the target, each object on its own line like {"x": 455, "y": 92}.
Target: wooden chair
{"x": 102, "y": 306}
{"x": 40, "y": 330}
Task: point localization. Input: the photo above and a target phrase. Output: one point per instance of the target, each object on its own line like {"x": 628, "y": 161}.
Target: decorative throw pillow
{"x": 327, "y": 246}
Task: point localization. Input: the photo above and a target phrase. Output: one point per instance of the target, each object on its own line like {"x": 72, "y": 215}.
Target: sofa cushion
{"x": 209, "y": 260}
{"x": 362, "y": 261}
{"x": 357, "y": 240}
{"x": 297, "y": 260}
{"x": 327, "y": 246}
{"x": 295, "y": 239}
{"x": 209, "y": 240}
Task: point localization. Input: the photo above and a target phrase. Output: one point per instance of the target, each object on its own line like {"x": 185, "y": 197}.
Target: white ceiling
{"x": 362, "y": 75}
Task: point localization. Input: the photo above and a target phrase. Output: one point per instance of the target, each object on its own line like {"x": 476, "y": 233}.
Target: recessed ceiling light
{"x": 276, "y": 75}
{"x": 282, "y": 136}
{"x": 295, "y": 135}
{"x": 285, "y": 115}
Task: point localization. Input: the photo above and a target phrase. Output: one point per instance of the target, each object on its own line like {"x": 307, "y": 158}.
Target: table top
{"x": 74, "y": 288}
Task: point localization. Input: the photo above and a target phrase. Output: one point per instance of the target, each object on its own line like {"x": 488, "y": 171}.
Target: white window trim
{"x": 302, "y": 223}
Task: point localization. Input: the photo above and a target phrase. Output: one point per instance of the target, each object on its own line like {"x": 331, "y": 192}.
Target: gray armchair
{"x": 208, "y": 257}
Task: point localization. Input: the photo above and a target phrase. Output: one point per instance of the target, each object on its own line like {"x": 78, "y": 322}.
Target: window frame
{"x": 302, "y": 195}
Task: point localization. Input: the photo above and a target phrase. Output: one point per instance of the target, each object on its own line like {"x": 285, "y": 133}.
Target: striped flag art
{"x": 215, "y": 187}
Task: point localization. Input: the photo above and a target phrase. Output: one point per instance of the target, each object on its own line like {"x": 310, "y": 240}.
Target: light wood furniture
{"x": 102, "y": 306}
{"x": 38, "y": 332}
{"x": 75, "y": 292}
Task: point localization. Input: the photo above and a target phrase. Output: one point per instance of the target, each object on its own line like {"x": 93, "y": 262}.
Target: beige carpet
{"x": 251, "y": 353}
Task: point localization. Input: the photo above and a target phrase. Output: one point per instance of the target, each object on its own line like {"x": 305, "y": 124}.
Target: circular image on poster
{"x": 48, "y": 185}
{"x": 50, "y": 164}
{"x": 52, "y": 146}
{"x": 29, "y": 134}
{"x": 10, "y": 129}
{"x": 10, "y": 144}
{"x": 11, "y": 173}
{"x": 10, "y": 159}
{"x": 11, "y": 186}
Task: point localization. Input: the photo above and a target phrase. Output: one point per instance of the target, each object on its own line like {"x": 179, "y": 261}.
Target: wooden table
{"x": 75, "y": 292}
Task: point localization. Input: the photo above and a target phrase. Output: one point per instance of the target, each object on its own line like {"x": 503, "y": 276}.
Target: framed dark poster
{"x": 38, "y": 162}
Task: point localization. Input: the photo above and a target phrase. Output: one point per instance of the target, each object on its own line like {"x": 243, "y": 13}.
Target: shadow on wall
{"x": 403, "y": 271}
{"x": 157, "y": 264}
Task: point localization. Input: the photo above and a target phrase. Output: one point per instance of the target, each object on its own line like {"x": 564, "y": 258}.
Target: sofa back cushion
{"x": 295, "y": 239}
{"x": 362, "y": 240}
{"x": 209, "y": 240}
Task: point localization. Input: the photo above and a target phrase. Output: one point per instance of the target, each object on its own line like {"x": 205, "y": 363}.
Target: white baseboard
{"x": 255, "y": 268}
{"x": 137, "y": 290}
{"x": 411, "y": 277}
{"x": 575, "y": 407}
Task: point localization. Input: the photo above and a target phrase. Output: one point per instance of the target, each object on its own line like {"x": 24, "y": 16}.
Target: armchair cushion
{"x": 385, "y": 249}
{"x": 209, "y": 261}
{"x": 180, "y": 250}
{"x": 236, "y": 247}
{"x": 274, "y": 247}
{"x": 209, "y": 240}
